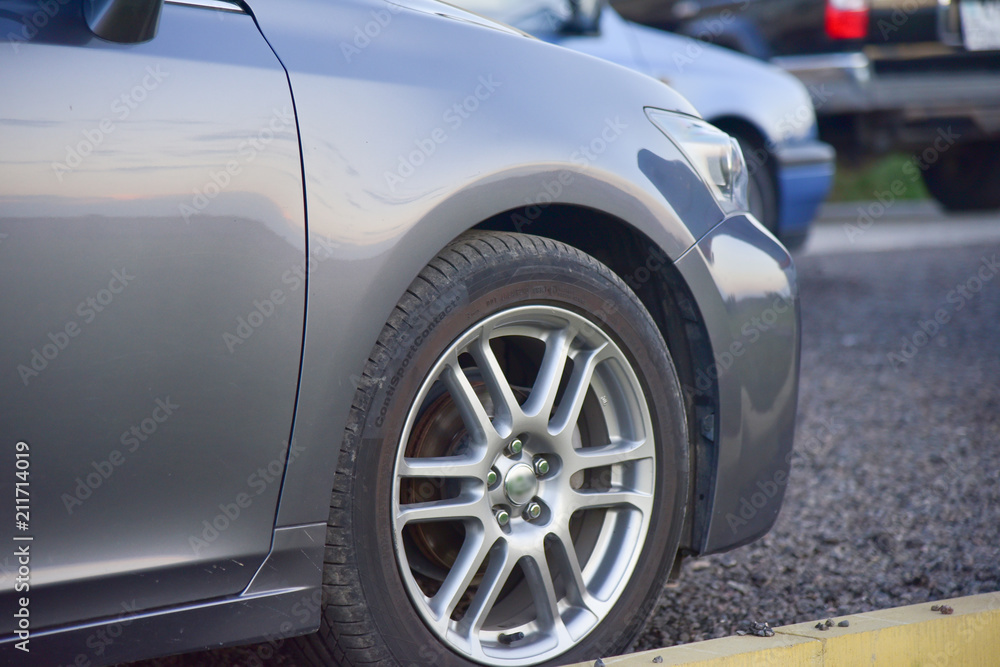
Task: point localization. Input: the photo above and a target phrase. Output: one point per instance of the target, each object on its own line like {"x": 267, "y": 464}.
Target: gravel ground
{"x": 894, "y": 496}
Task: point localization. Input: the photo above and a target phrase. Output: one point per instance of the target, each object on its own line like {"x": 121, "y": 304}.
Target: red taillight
{"x": 847, "y": 19}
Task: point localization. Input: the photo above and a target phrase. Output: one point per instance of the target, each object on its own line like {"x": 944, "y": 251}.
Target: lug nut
{"x": 515, "y": 447}
{"x": 532, "y": 511}
{"x": 541, "y": 467}
{"x": 502, "y": 517}
{"x": 491, "y": 478}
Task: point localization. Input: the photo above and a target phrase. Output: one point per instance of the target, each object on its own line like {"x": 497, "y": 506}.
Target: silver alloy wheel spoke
{"x": 607, "y": 455}
{"x": 543, "y": 393}
{"x": 576, "y": 389}
{"x": 569, "y": 563}
{"x": 466, "y": 506}
{"x": 611, "y": 499}
{"x": 505, "y": 403}
{"x": 442, "y": 467}
{"x": 474, "y": 416}
{"x": 481, "y": 606}
{"x": 536, "y": 570}
{"x": 501, "y": 564}
{"x": 474, "y": 551}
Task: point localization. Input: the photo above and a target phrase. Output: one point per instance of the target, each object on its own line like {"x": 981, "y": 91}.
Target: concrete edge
{"x": 900, "y": 636}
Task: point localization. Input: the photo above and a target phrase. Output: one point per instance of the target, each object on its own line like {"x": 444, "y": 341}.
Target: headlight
{"x": 714, "y": 155}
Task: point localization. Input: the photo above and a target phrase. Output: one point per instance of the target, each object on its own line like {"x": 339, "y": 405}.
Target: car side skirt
{"x": 282, "y": 601}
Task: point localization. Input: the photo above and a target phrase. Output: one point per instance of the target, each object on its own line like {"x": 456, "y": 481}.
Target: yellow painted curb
{"x": 906, "y": 636}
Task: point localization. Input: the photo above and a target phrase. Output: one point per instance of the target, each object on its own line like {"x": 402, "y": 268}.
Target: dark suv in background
{"x": 915, "y": 75}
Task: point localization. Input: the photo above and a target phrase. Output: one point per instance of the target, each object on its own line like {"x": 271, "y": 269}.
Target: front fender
{"x": 747, "y": 295}
{"x": 401, "y": 155}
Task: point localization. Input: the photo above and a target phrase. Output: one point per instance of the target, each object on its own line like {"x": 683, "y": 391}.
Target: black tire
{"x": 966, "y": 177}
{"x": 762, "y": 192}
{"x": 368, "y": 614}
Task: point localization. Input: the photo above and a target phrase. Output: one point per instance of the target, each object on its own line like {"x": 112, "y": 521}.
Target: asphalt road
{"x": 894, "y": 496}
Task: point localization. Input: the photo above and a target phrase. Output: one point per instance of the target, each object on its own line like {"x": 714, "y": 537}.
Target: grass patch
{"x": 861, "y": 183}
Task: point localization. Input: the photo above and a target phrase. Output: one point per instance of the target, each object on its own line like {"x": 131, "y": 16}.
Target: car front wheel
{"x": 512, "y": 481}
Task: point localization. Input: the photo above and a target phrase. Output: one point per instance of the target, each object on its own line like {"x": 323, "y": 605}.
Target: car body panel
{"x": 747, "y": 295}
{"x": 129, "y": 253}
{"x": 391, "y": 214}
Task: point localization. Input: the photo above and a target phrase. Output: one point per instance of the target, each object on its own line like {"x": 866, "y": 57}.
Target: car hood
{"x": 446, "y": 10}
{"x": 614, "y": 47}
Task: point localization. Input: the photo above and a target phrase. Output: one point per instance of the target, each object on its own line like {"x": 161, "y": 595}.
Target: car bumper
{"x": 805, "y": 175}
{"x": 851, "y": 83}
{"x": 744, "y": 283}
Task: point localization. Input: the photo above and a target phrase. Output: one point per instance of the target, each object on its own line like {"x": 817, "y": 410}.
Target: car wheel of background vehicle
{"x": 966, "y": 177}
{"x": 762, "y": 193}
{"x": 512, "y": 480}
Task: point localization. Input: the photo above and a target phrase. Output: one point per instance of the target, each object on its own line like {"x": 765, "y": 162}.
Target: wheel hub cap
{"x": 519, "y": 484}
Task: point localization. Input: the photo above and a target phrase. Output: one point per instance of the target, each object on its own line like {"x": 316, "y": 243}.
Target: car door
{"x": 152, "y": 299}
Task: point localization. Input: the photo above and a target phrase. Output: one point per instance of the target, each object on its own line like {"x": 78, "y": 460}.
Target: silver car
{"x": 367, "y": 329}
